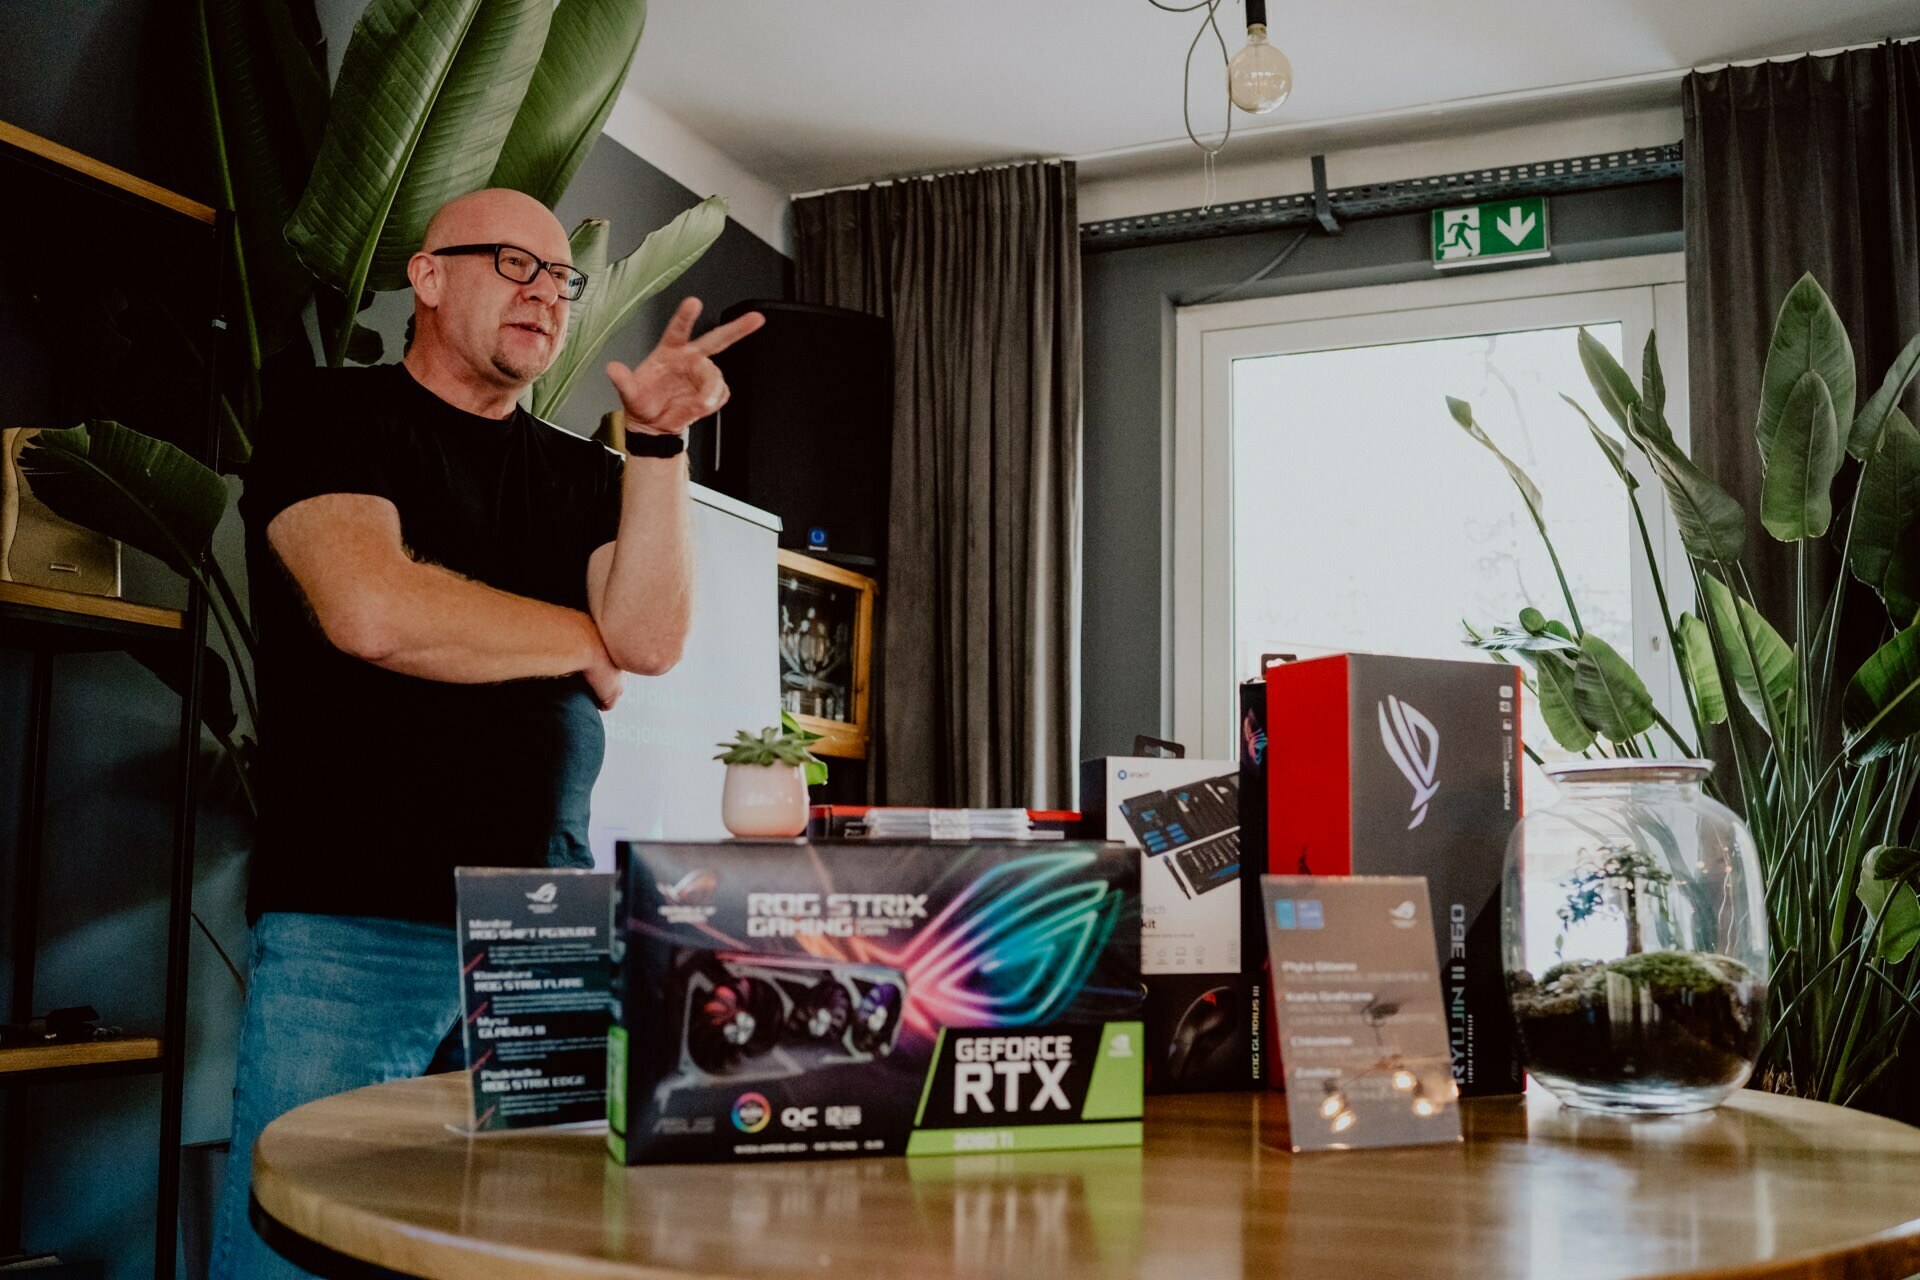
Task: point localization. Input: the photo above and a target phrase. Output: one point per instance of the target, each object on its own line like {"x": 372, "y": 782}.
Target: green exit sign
{"x": 1497, "y": 231}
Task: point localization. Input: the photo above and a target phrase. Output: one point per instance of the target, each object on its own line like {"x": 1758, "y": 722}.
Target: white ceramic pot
{"x": 765, "y": 800}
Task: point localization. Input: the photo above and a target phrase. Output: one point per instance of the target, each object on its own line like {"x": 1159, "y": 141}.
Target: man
{"x": 448, "y": 591}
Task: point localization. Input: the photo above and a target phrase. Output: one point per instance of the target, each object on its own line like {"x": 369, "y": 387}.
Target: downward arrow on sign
{"x": 1515, "y": 228}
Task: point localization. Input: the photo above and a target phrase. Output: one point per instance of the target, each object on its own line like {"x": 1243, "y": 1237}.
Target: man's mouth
{"x": 531, "y": 326}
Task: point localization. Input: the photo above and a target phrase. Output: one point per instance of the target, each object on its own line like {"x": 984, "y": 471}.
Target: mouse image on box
{"x": 1204, "y": 1035}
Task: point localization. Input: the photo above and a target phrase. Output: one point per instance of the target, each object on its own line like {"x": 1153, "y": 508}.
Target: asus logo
{"x": 545, "y": 893}
{"x": 1414, "y": 744}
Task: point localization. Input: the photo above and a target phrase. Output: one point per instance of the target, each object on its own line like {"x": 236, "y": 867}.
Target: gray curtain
{"x": 1808, "y": 165}
{"x": 979, "y": 274}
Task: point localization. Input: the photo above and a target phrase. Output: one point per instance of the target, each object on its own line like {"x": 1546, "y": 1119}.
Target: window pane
{"x": 1365, "y": 519}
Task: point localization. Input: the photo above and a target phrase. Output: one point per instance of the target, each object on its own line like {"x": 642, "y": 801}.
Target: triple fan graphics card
{"x": 745, "y": 1017}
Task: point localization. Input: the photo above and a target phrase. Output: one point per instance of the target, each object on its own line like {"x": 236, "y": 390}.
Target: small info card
{"x": 535, "y": 993}
{"x": 1356, "y": 1002}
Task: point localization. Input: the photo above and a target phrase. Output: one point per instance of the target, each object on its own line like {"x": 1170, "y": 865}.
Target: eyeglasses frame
{"x": 540, "y": 265}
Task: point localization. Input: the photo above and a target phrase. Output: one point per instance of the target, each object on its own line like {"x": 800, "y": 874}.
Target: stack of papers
{"x": 952, "y": 824}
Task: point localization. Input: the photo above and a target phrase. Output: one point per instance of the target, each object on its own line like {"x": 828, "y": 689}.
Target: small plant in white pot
{"x": 767, "y": 779}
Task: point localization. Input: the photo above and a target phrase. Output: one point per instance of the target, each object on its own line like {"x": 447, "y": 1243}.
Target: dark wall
{"x": 104, "y": 77}
{"x": 1129, "y": 300}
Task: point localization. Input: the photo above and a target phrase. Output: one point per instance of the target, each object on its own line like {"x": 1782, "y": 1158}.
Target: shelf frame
{"x": 47, "y": 623}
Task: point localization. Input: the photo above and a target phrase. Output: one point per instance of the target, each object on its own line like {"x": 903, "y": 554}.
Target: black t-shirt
{"x": 375, "y": 785}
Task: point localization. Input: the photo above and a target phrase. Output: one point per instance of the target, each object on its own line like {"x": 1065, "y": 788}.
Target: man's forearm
{"x": 440, "y": 626}
{"x": 644, "y": 604}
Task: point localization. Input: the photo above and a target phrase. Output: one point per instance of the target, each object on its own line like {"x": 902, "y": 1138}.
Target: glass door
{"x": 1332, "y": 504}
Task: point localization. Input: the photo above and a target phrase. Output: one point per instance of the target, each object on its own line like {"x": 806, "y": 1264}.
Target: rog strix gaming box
{"x": 785, "y": 999}
{"x": 1389, "y": 766}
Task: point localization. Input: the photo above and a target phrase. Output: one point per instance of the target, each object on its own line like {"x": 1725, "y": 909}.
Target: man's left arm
{"x": 640, "y": 585}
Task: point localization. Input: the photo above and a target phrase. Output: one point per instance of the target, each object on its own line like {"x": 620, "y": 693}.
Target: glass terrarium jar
{"x": 1635, "y": 935}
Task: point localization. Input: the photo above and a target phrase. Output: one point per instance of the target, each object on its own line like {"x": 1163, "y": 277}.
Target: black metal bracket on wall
{"x": 1380, "y": 199}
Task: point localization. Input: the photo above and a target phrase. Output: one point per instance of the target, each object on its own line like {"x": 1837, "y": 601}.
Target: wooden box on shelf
{"x": 826, "y": 652}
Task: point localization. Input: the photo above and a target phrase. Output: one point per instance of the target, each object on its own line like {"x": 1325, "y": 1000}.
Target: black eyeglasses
{"x": 519, "y": 266}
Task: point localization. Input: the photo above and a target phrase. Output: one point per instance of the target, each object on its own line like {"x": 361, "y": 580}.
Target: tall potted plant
{"x": 1825, "y": 761}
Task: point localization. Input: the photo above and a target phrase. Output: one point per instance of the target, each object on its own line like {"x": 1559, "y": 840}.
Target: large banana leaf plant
{"x": 1825, "y": 762}
{"x": 331, "y": 193}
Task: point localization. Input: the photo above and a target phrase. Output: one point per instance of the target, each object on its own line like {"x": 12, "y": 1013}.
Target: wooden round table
{"x": 1766, "y": 1186}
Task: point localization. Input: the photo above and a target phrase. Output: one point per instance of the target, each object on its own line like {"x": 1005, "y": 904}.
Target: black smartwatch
{"x": 649, "y": 444}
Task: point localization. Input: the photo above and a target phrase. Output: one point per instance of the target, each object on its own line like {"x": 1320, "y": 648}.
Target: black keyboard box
{"x": 1202, "y": 1010}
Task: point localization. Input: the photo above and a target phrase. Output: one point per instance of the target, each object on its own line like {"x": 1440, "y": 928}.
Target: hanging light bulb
{"x": 1403, "y": 1080}
{"x": 1259, "y": 78}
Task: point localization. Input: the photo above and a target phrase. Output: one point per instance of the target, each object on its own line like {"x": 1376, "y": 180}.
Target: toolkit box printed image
{"x": 785, "y": 999}
{"x": 1389, "y": 766}
{"x": 1202, "y": 1007}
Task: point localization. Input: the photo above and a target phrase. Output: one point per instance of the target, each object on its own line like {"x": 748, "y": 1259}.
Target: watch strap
{"x": 649, "y": 444}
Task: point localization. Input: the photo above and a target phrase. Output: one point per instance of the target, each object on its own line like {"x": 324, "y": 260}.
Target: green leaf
{"x": 1697, "y": 665}
{"x": 143, "y": 491}
{"x": 1712, "y": 525}
{"x": 1608, "y": 693}
{"x": 1807, "y": 336}
{"x": 1866, "y": 427}
{"x": 426, "y": 97}
{"x": 1615, "y": 451}
{"x": 816, "y": 772}
{"x": 1887, "y": 876}
{"x": 1886, "y": 518}
{"x": 1653, "y": 383}
{"x": 1735, "y": 623}
{"x": 1893, "y": 862}
{"x": 264, "y": 101}
{"x": 657, "y": 263}
{"x": 1554, "y": 683}
{"x": 588, "y": 53}
{"x": 589, "y": 252}
{"x": 1796, "y": 498}
{"x": 1463, "y": 414}
{"x": 1610, "y": 381}
{"x": 1881, "y": 707}
{"x": 1535, "y": 634}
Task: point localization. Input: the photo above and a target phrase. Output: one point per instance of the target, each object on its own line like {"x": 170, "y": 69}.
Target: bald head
{"x": 471, "y": 323}
{"x": 498, "y": 215}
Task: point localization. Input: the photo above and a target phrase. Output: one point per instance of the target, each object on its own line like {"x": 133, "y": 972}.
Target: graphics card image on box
{"x": 745, "y": 1017}
{"x": 1196, "y": 827}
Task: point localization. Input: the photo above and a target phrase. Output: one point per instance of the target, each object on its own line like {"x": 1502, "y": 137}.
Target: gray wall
{"x": 103, "y": 77}
{"x": 1129, "y": 300}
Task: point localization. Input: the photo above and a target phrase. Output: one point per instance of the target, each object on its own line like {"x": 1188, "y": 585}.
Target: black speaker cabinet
{"x": 808, "y": 431}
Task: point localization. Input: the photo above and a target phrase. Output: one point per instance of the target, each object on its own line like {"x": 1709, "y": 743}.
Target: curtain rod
{"x": 921, "y": 177}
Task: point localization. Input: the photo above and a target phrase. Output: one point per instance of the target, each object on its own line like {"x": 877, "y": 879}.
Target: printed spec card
{"x": 534, "y": 993}
{"x": 1357, "y": 1007}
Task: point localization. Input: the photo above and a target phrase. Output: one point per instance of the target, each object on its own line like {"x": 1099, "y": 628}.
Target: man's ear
{"x": 423, "y": 272}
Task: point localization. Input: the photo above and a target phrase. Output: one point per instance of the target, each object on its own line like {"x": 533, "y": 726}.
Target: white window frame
{"x": 1197, "y": 643}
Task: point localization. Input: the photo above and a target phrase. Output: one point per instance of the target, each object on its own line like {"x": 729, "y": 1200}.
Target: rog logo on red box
{"x": 1414, "y": 745}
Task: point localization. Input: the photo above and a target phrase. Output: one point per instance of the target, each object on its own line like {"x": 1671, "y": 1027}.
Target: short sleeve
{"x": 605, "y": 525}
{"x": 314, "y": 438}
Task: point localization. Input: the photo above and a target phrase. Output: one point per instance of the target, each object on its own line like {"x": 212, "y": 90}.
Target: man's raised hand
{"x": 678, "y": 383}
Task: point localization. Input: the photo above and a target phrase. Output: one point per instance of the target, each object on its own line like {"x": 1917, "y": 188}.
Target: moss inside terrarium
{"x": 1684, "y": 1018}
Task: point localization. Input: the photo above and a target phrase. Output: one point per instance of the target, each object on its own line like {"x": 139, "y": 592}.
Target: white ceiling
{"x": 815, "y": 93}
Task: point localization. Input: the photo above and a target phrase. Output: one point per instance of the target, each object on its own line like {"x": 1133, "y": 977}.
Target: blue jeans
{"x": 333, "y": 1003}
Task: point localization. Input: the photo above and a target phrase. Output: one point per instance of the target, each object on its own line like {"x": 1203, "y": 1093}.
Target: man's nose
{"x": 542, "y": 288}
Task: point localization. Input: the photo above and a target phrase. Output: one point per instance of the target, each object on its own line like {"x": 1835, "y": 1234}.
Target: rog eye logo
{"x": 1012, "y": 950}
{"x": 1414, "y": 745}
{"x": 694, "y": 889}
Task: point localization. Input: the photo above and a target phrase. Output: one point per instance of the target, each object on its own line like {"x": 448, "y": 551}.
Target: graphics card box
{"x": 1387, "y": 766}
{"x": 786, "y": 999}
{"x": 1202, "y": 1010}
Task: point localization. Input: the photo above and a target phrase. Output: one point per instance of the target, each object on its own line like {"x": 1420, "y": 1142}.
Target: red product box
{"x": 1387, "y": 766}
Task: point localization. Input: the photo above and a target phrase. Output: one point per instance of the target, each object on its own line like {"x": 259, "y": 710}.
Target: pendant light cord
{"x": 1210, "y": 154}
